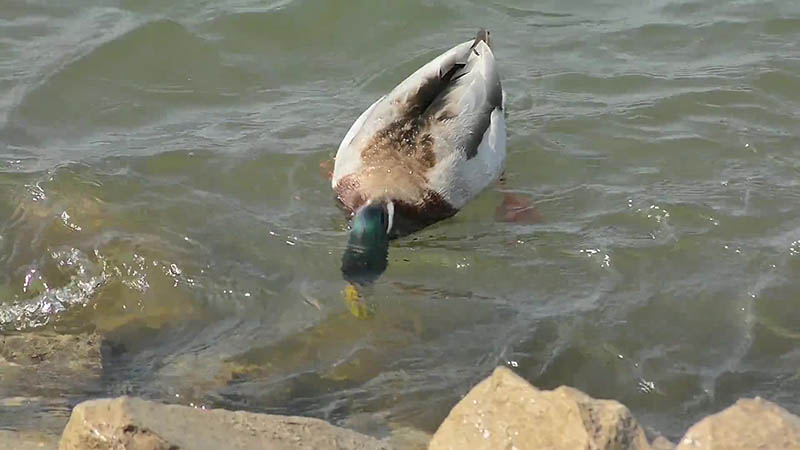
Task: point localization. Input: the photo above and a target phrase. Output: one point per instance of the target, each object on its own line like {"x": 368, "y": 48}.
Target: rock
{"x": 33, "y": 364}
{"x": 131, "y": 423}
{"x": 62, "y": 352}
{"x": 662, "y": 443}
{"x": 505, "y": 412}
{"x": 27, "y": 440}
{"x": 748, "y": 424}
{"x": 41, "y": 374}
{"x": 409, "y": 438}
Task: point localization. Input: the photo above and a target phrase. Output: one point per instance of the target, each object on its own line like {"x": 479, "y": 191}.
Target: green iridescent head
{"x": 365, "y": 257}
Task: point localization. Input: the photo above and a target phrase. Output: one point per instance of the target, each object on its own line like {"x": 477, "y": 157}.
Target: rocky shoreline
{"x": 502, "y": 412}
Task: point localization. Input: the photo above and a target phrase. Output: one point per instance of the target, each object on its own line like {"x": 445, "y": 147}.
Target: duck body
{"x": 421, "y": 152}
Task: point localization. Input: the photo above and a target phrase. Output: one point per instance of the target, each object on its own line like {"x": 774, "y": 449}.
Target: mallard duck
{"x": 420, "y": 153}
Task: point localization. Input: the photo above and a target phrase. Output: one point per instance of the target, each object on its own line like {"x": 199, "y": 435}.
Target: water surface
{"x": 160, "y": 183}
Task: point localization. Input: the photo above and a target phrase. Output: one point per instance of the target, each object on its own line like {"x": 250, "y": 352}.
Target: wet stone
{"x": 46, "y": 372}
{"x": 662, "y": 443}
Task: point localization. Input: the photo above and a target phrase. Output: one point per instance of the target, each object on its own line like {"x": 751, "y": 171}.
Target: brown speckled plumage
{"x": 411, "y": 147}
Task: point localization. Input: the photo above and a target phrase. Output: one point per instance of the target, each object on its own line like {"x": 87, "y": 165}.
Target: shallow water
{"x": 160, "y": 183}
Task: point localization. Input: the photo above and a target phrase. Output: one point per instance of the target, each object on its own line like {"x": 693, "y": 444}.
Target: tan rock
{"x": 662, "y": 443}
{"x": 750, "y": 424}
{"x": 505, "y": 412}
{"x": 127, "y": 423}
{"x": 408, "y": 438}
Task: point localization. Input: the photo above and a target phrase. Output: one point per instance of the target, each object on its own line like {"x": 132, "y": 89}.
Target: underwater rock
{"x": 44, "y": 372}
{"x": 54, "y": 352}
{"x": 36, "y": 364}
{"x": 27, "y": 440}
{"x": 662, "y": 443}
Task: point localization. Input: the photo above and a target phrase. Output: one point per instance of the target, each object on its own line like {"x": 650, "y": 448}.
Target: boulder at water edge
{"x": 748, "y": 424}
{"x": 127, "y": 423}
{"x": 505, "y": 412}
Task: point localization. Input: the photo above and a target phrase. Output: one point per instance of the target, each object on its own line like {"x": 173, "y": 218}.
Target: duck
{"x": 420, "y": 153}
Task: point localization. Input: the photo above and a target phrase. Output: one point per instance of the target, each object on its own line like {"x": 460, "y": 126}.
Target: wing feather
{"x": 447, "y": 104}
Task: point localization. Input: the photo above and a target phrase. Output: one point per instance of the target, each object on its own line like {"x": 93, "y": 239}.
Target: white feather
{"x": 458, "y": 179}
{"x": 348, "y": 157}
{"x": 390, "y": 212}
{"x": 473, "y": 97}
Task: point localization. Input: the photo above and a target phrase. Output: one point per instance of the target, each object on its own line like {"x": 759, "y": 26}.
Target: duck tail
{"x": 482, "y": 36}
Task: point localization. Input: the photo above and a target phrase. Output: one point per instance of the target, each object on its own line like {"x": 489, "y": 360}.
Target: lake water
{"x": 160, "y": 183}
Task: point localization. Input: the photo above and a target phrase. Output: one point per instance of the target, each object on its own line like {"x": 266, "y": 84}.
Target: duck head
{"x": 365, "y": 257}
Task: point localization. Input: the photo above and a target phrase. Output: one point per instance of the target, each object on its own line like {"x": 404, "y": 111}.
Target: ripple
{"x": 160, "y": 63}
{"x": 779, "y": 84}
{"x": 160, "y": 183}
{"x": 43, "y": 57}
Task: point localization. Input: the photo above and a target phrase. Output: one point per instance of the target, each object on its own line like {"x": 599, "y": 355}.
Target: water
{"x": 160, "y": 183}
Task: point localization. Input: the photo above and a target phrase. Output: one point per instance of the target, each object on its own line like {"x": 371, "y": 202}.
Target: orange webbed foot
{"x": 517, "y": 208}
{"x": 326, "y": 168}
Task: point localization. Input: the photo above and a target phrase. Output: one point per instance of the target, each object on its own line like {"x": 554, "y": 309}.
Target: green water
{"x": 160, "y": 183}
